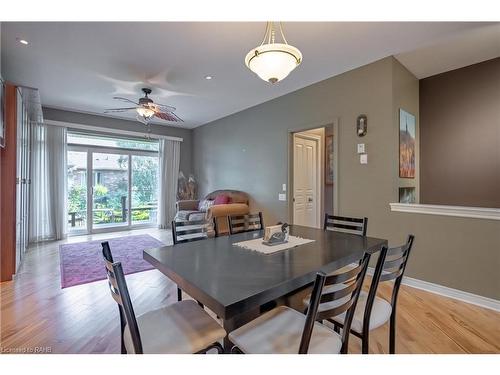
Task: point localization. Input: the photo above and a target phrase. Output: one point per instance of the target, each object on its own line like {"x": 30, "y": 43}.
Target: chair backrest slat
{"x": 188, "y": 231}
{"x": 322, "y": 315}
{"x": 388, "y": 276}
{"x": 393, "y": 263}
{"x": 337, "y": 278}
{"x": 340, "y": 300}
{"x": 333, "y": 295}
{"x": 346, "y": 224}
{"x": 329, "y": 297}
{"x": 397, "y": 251}
{"x": 245, "y": 223}
{"x": 116, "y": 296}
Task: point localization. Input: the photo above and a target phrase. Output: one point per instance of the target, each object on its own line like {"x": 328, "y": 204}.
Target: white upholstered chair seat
{"x": 279, "y": 332}
{"x": 381, "y": 310}
{"x": 381, "y": 313}
{"x": 183, "y": 327}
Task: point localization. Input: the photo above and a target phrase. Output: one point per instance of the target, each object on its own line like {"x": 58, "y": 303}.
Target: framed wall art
{"x": 406, "y": 144}
{"x": 407, "y": 195}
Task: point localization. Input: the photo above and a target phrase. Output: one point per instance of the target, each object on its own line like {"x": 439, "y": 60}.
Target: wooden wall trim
{"x": 8, "y": 189}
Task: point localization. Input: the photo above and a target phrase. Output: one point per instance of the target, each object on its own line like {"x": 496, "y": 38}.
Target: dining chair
{"x": 287, "y": 331}
{"x": 373, "y": 311}
{"x": 245, "y": 223}
{"x": 183, "y": 327}
{"x": 188, "y": 231}
{"x": 346, "y": 224}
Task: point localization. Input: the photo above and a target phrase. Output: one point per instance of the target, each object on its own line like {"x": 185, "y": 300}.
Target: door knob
{"x": 309, "y": 199}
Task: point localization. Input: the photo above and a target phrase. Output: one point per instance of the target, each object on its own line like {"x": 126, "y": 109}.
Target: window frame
{"x": 91, "y": 149}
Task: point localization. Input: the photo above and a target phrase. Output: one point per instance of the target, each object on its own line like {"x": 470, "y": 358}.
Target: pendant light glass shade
{"x": 273, "y": 61}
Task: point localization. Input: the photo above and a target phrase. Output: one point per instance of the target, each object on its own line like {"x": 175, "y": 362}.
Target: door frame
{"x": 334, "y": 125}
{"x": 90, "y": 150}
{"x": 320, "y": 166}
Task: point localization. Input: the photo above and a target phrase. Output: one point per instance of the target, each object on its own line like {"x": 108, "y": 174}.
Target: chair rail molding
{"x": 457, "y": 211}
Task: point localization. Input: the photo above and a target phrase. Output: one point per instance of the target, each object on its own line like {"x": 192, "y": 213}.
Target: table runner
{"x": 257, "y": 245}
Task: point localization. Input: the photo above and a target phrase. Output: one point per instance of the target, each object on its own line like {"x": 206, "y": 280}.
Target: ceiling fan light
{"x": 145, "y": 112}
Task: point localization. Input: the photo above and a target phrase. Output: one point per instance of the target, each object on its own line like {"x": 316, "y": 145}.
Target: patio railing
{"x": 110, "y": 215}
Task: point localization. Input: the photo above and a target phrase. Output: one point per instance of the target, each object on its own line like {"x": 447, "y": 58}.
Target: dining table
{"x": 234, "y": 282}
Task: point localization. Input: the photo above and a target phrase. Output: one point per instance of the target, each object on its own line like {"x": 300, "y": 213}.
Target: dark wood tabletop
{"x": 229, "y": 279}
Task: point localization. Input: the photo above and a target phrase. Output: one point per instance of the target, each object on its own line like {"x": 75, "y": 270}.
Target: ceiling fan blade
{"x": 165, "y": 107}
{"x": 118, "y": 109}
{"x": 172, "y": 117}
{"x": 125, "y": 100}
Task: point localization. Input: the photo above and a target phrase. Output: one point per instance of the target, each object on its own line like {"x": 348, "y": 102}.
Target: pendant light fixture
{"x": 273, "y": 61}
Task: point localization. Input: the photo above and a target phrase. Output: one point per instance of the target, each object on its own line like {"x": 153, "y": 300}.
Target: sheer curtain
{"x": 169, "y": 172}
{"x": 48, "y": 215}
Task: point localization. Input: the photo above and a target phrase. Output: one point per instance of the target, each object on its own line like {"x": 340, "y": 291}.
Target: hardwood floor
{"x": 37, "y": 315}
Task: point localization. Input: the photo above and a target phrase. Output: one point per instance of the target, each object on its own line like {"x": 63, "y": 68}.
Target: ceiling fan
{"x": 146, "y": 109}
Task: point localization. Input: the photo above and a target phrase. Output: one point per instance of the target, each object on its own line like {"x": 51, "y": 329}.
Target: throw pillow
{"x": 222, "y": 199}
{"x": 205, "y": 204}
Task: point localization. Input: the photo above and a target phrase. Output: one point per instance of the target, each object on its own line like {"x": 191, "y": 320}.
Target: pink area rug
{"x": 82, "y": 262}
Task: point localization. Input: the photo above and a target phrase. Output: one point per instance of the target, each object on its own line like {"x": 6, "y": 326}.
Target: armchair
{"x": 190, "y": 210}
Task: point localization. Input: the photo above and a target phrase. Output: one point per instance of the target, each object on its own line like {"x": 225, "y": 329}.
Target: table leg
{"x": 236, "y": 322}
{"x": 229, "y": 325}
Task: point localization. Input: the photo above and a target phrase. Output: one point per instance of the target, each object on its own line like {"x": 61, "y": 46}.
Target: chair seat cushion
{"x": 197, "y": 216}
{"x": 381, "y": 313}
{"x": 183, "y": 215}
{"x": 183, "y": 327}
{"x": 279, "y": 332}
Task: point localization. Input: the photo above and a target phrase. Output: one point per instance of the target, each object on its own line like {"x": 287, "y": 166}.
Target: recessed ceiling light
{"x": 208, "y": 77}
{"x": 22, "y": 41}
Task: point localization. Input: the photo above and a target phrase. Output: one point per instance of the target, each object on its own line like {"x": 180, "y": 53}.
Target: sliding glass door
{"x": 111, "y": 188}
{"x": 77, "y": 191}
{"x": 144, "y": 189}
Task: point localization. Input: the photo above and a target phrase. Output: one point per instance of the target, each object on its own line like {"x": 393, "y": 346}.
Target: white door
{"x": 305, "y": 181}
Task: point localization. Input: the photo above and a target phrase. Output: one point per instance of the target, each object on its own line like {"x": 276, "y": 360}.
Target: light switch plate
{"x": 361, "y": 148}
{"x": 363, "y": 158}
{"x": 284, "y": 187}
{"x": 282, "y": 197}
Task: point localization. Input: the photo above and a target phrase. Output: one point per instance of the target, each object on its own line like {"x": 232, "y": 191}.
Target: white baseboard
{"x": 460, "y": 295}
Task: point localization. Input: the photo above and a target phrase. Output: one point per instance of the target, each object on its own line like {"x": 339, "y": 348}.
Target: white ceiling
{"x": 81, "y": 66}
{"x": 465, "y": 48}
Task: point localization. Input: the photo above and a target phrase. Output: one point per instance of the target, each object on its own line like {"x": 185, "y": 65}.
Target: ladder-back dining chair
{"x": 373, "y": 311}
{"x": 346, "y": 224}
{"x": 245, "y": 223}
{"x": 188, "y": 231}
{"x": 286, "y": 331}
{"x": 183, "y": 327}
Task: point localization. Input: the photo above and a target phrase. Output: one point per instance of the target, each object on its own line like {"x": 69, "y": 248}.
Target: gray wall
{"x": 108, "y": 122}
{"x": 249, "y": 151}
{"x": 460, "y": 129}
